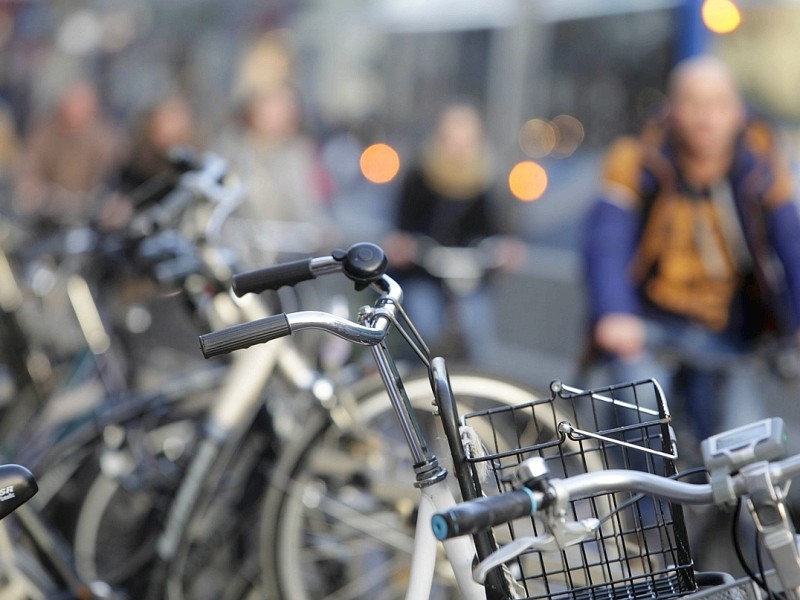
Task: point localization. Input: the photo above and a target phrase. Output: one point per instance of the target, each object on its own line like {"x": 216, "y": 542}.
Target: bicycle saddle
{"x": 17, "y": 486}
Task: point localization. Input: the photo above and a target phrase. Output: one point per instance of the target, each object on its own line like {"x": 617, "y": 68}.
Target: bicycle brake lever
{"x": 563, "y": 536}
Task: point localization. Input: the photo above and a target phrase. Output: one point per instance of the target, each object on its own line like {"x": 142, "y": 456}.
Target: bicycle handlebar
{"x": 362, "y": 263}
{"x": 244, "y": 335}
{"x": 477, "y": 515}
{"x": 284, "y": 274}
{"x": 472, "y": 517}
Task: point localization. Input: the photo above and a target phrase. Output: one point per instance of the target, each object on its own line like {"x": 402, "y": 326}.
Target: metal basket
{"x": 728, "y": 589}
{"x": 641, "y": 548}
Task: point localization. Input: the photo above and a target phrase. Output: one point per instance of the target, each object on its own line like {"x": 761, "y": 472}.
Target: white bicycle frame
{"x": 438, "y": 497}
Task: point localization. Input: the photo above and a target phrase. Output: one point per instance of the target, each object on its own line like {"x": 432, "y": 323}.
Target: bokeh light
{"x": 537, "y": 138}
{"x": 380, "y": 163}
{"x": 570, "y": 135}
{"x": 559, "y": 138}
{"x": 527, "y": 180}
{"x": 721, "y": 16}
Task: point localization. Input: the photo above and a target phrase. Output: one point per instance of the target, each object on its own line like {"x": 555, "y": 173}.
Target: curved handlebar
{"x": 364, "y": 263}
{"x": 373, "y": 332}
{"x": 477, "y": 515}
{"x": 244, "y": 335}
{"x": 277, "y": 276}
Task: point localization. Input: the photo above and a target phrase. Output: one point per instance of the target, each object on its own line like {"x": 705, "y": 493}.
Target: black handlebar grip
{"x": 478, "y": 515}
{"x": 272, "y": 278}
{"x": 244, "y": 335}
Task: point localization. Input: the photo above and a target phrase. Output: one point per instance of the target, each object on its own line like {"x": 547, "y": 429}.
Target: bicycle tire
{"x": 112, "y": 541}
{"x": 290, "y": 570}
{"x": 118, "y": 526}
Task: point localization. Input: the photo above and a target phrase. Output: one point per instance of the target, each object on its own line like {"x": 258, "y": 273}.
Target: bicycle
{"x": 45, "y": 566}
{"x": 306, "y": 498}
{"x": 748, "y": 464}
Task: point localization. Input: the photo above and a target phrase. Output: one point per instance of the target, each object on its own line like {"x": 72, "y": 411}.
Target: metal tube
{"x": 614, "y": 480}
{"x": 402, "y": 406}
{"x": 352, "y": 332}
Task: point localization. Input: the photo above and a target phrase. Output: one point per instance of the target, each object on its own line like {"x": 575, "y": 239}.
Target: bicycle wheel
{"x": 125, "y": 504}
{"x": 338, "y": 519}
{"x": 124, "y": 515}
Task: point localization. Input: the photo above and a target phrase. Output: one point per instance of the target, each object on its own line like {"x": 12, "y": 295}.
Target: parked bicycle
{"x": 69, "y": 448}
{"x": 340, "y": 512}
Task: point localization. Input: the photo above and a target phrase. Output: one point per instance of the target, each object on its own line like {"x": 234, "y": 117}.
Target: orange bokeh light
{"x": 380, "y": 163}
{"x": 721, "y": 16}
{"x": 527, "y": 181}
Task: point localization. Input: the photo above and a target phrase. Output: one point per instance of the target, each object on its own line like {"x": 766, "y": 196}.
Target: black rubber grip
{"x": 272, "y": 278}
{"x": 478, "y": 515}
{"x": 244, "y": 335}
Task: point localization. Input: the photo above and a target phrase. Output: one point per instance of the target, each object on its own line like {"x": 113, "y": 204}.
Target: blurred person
{"x": 692, "y": 253}
{"x": 286, "y": 185}
{"x": 445, "y": 198}
{"x": 152, "y": 324}
{"x": 164, "y": 127}
{"x": 65, "y": 160}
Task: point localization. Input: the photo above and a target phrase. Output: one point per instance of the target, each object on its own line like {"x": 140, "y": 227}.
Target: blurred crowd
{"x": 71, "y": 163}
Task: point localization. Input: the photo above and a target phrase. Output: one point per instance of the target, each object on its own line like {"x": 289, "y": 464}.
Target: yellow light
{"x": 527, "y": 180}
{"x": 380, "y": 163}
{"x": 721, "y": 16}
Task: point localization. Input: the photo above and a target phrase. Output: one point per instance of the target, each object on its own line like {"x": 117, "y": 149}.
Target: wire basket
{"x": 640, "y": 549}
{"x": 739, "y": 589}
